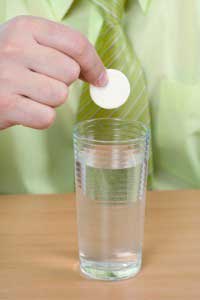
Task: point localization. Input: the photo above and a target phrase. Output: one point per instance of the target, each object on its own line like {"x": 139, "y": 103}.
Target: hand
{"x": 39, "y": 59}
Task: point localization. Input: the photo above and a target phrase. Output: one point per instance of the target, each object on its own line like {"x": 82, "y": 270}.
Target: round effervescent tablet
{"x": 114, "y": 94}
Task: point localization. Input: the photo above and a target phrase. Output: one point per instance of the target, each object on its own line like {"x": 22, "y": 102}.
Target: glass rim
{"x": 144, "y": 136}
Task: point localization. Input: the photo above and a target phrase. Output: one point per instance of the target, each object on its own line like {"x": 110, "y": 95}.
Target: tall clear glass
{"x": 111, "y": 158}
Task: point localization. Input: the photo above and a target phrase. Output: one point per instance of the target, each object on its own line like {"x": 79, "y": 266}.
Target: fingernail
{"x": 102, "y": 80}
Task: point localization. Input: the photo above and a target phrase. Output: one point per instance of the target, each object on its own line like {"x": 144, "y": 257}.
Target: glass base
{"x": 109, "y": 271}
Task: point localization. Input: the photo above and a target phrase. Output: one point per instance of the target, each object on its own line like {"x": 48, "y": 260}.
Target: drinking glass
{"x": 111, "y": 158}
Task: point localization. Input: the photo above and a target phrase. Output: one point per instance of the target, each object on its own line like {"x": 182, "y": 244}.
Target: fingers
{"x": 36, "y": 109}
{"x": 41, "y": 88}
{"x": 28, "y": 113}
{"x": 53, "y": 63}
{"x": 74, "y": 44}
{"x": 38, "y": 60}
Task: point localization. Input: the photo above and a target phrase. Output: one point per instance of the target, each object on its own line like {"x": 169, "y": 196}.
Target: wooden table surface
{"x": 38, "y": 251}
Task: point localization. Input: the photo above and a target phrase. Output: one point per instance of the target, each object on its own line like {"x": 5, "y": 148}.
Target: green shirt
{"x": 166, "y": 36}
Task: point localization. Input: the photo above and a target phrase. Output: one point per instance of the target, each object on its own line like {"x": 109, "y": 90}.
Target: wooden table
{"x": 38, "y": 251}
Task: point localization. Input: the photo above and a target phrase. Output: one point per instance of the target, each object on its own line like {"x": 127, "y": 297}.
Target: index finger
{"x": 73, "y": 44}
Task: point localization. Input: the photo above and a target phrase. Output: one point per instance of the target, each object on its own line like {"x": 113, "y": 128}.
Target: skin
{"x": 39, "y": 59}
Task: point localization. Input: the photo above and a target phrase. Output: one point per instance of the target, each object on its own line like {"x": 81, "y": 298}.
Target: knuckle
{"x": 91, "y": 69}
{"x": 48, "y": 119}
{"x": 96, "y": 71}
{"x": 21, "y": 21}
{"x": 9, "y": 45}
{"x": 9, "y": 72}
{"x": 59, "y": 94}
{"x": 83, "y": 45}
{"x": 54, "y": 92}
{"x": 10, "y": 54}
{"x": 8, "y": 49}
{"x": 53, "y": 28}
{"x": 75, "y": 72}
{"x": 12, "y": 41}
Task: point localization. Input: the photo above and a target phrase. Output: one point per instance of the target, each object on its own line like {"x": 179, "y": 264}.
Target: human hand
{"x": 39, "y": 59}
